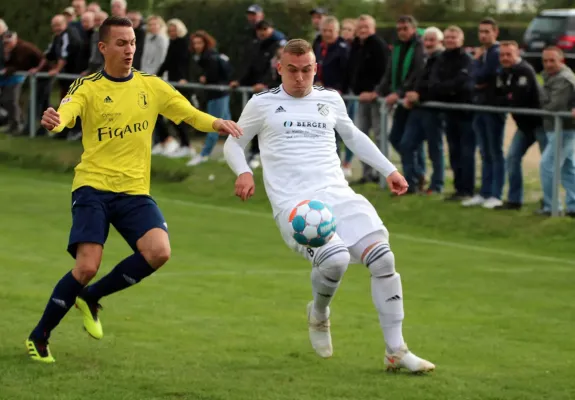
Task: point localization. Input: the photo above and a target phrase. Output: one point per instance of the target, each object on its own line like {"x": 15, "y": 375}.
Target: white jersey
{"x": 298, "y": 145}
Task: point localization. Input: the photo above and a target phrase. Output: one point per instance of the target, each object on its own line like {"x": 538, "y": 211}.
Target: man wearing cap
{"x": 317, "y": 14}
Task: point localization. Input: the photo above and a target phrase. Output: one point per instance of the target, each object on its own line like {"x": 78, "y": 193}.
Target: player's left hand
{"x": 245, "y": 186}
{"x": 225, "y": 127}
{"x": 397, "y": 183}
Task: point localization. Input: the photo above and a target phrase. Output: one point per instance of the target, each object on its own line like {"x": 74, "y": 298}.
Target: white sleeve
{"x": 234, "y": 149}
{"x": 359, "y": 143}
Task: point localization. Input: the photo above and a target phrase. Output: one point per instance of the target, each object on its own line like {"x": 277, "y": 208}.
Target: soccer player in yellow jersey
{"x": 118, "y": 107}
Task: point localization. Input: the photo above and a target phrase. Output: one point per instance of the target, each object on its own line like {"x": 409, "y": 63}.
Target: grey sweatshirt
{"x": 155, "y": 50}
{"x": 557, "y": 92}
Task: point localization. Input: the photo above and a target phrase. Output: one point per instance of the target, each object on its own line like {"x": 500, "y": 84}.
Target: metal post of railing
{"x": 32, "y": 105}
{"x": 558, "y": 127}
{"x": 245, "y": 99}
{"x": 383, "y": 137}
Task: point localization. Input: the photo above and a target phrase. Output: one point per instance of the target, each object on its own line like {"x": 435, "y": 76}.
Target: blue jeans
{"x": 219, "y": 108}
{"x": 567, "y": 163}
{"x": 351, "y": 111}
{"x": 461, "y": 143}
{"x": 423, "y": 125}
{"x": 520, "y": 144}
{"x": 398, "y": 127}
{"x": 489, "y": 129}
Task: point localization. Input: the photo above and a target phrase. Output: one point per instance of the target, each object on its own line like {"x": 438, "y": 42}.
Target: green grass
{"x": 488, "y": 297}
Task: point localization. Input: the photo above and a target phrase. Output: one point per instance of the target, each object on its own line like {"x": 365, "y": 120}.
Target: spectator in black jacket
{"x": 269, "y": 41}
{"x": 88, "y": 31}
{"x": 216, "y": 70}
{"x": 404, "y": 67}
{"x": 317, "y": 15}
{"x": 140, "y": 32}
{"x": 65, "y": 50}
{"x": 451, "y": 82}
{"x": 517, "y": 87}
{"x": 424, "y": 124}
{"x": 332, "y": 54}
{"x": 177, "y": 65}
{"x": 348, "y": 28}
{"x": 274, "y": 79}
{"x": 489, "y": 127}
{"x": 367, "y": 62}
{"x": 244, "y": 53}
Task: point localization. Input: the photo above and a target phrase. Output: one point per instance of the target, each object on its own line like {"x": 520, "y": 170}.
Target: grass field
{"x": 488, "y": 297}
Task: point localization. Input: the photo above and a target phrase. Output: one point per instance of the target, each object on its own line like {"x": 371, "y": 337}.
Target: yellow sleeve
{"x": 71, "y": 106}
{"x": 177, "y": 108}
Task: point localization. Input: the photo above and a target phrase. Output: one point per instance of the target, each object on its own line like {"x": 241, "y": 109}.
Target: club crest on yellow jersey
{"x": 143, "y": 100}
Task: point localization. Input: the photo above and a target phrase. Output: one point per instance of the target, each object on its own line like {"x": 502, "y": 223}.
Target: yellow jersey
{"x": 118, "y": 118}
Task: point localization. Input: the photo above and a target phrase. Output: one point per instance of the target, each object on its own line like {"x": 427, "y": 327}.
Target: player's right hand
{"x": 245, "y": 186}
{"x": 50, "y": 119}
{"x": 397, "y": 183}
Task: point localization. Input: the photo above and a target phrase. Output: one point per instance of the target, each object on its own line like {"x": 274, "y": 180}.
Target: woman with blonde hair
{"x": 155, "y": 44}
{"x": 177, "y": 66}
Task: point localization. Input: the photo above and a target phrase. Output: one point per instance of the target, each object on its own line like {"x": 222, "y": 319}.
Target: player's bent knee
{"x": 382, "y": 264}
{"x": 157, "y": 256}
{"x": 155, "y": 247}
{"x": 333, "y": 261}
{"x": 88, "y": 259}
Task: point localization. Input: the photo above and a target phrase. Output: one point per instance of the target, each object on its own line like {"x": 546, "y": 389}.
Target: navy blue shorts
{"x": 94, "y": 210}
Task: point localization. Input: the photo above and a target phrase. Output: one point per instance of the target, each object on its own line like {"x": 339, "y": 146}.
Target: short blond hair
{"x": 455, "y": 28}
{"x": 509, "y": 43}
{"x": 161, "y": 22}
{"x": 298, "y": 47}
{"x": 350, "y": 21}
{"x": 368, "y": 18}
{"x": 330, "y": 20}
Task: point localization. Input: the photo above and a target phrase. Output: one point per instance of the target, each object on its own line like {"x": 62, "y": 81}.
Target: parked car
{"x": 550, "y": 27}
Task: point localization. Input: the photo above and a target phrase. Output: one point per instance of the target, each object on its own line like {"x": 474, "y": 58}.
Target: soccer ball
{"x": 313, "y": 223}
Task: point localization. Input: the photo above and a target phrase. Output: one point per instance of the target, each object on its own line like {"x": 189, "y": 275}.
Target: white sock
{"x": 324, "y": 289}
{"x": 388, "y": 300}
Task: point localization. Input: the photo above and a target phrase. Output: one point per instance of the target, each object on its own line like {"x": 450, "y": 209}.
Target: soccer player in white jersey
{"x": 295, "y": 123}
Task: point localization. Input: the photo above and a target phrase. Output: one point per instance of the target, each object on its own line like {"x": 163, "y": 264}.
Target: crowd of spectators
{"x": 420, "y": 65}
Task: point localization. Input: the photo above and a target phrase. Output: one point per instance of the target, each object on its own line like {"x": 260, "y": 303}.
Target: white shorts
{"x": 355, "y": 219}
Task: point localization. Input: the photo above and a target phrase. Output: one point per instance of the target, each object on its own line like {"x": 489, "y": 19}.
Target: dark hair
{"x": 262, "y": 25}
{"x": 108, "y": 23}
{"x": 407, "y": 19}
{"x": 488, "y": 21}
{"x": 209, "y": 41}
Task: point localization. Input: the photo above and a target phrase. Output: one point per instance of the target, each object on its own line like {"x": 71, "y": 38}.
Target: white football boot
{"x": 476, "y": 200}
{"x": 492, "y": 203}
{"x": 403, "y": 358}
{"x": 319, "y": 334}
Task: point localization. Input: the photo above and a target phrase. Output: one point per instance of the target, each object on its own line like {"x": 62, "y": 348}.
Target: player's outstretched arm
{"x": 362, "y": 146}
{"x": 50, "y": 119}
{"x": 71, "y": 107}
{"x": 225, "y": 127}
{"x": 174, "y": 106}
{"x": 234, "y": 150}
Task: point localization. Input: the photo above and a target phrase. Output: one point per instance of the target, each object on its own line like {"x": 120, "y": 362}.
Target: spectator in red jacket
{"x": 19, "y": 56}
